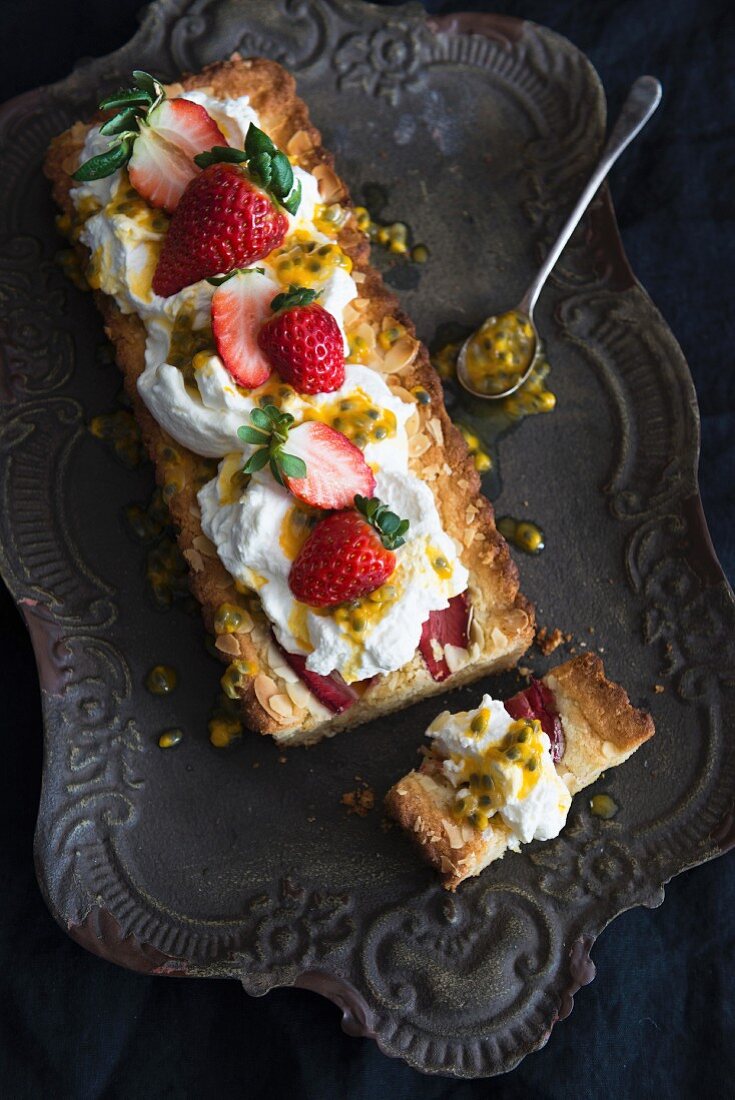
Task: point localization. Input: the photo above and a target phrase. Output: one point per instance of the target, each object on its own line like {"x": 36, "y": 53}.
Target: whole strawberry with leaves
{"x": 348, "y": 554}
{"x": 303, "y": 341}
{"x": 230, "y": 215}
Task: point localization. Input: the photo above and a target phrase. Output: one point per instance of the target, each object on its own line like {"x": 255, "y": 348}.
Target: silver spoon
{"x": 642, "y": 101}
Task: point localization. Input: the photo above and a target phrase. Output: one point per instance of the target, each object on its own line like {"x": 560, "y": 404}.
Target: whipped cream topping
{"x": 525, "y": 787}
{"x": 203, "y": 408}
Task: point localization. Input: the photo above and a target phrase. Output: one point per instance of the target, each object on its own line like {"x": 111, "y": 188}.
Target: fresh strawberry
{"x": 162, "y": 163}
{"x": 304, "y": 343}
{"x": 157, "y": 137}
{"x": 228, "y": 216}
{"x": 537, "y": 701}
{"x": 331, "y": 690}
{"x": 347, "y": 555}
{"x": 447, "y": 627}
{"x": 222, "y": 222}
{"x": 321, "y": 466}
{"x": 239, "y": 305}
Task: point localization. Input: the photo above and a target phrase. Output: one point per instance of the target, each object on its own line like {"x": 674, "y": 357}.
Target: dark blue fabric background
{"x": 660, "y": 1018}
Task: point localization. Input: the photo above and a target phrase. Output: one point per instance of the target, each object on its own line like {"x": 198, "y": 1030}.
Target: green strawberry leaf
{"x": 294, "y": 296}
{"x": 270, "y": 435}
{"x": 256, "y": 141}
{"x": 220, "y": 154}
{"x": 218, "y": 280}
{"x": 262, "y": 419}
{"x": 125, "y": 97}
{"x": 147, "y": 83}
{"x": 126, "y": 119}
{"x": 293, "y": 201}
{"x": 104, "y": 164}
{"x": 282, "y": 175}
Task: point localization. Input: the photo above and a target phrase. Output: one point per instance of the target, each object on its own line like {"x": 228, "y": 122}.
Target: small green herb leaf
{"x": 257, "y": 461}
{"x": 389, "y": 526}
{"x": 293, "y": 466}
{"x": 262, "y": 419}
{"x": 252, "y": 435}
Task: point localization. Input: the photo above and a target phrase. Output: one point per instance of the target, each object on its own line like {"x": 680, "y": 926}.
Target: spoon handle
{"x": 643, "y": 99}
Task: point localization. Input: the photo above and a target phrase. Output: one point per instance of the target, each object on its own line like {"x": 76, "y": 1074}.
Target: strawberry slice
{"x": 320, "y": 465}
{"x": 331, "y": 690}
{"x": 162, "y": 162}
{"x": 156, "y": 137}
{"x": 336, "y": 471}
{"x": 537, "y": 701}
{"x": 239, "y": 306}
{"x": 447, "y": 627}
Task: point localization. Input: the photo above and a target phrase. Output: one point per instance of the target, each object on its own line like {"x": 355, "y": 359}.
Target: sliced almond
{"x": 418, "y": 445}
{"x": 454, "y": 834}
{"x": 281, "y": 704}
{"x": 195, "y": 559}
{"x": 204, "y": 546}
{"x": 400, "y": 355}
{"x": 455, "y": 656}
{"x": 435, "y": 430}
{"x": 227, "y": 643}
{"x": 299, "y": 143}
{"x": 330, "y": 186}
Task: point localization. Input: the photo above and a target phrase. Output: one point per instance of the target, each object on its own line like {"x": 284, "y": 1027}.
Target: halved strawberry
{"x": 321, "y": 467}
{"x": 157, "y": 137}
{"x": 447, "y": 627}
{"x": 537, "y": 701}
{"x": 162, "y": 163}
{"x": 330, "y": 690}
{"x": 239, "y": 306}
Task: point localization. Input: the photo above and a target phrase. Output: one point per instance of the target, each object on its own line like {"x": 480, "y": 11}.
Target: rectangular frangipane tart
{"x": 329, "y": 512}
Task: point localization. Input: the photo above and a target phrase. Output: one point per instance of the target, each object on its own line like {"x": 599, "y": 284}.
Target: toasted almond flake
{"x": 454, "y": 834}
{"x": 430, "y": 473}
{"x": 435, "y": 429}
{"x": 195, "y": 560}
{"x": 366, "y": 332}
{"x": 418, "y": 445}
{"x": 265, "y": 690}
{"x": 204, "y": 546}
{"x": 359, "y": 276}
{"x": 470, "y": 513}
{"x": 281, "y": 704}
{"x": 497, "y": 638}
{"x": 298, "y": 693}
{"x": 330, "y": 186}
{"x": 299, "y": 143}
{"x": 462, "y": 483}
{"x": 455, "y": 656}
{"x": 469, "y": 536}
{"x": 195, "y": 511}
{"x": 474, "y": 651}
{"x": 477, "y": 634}
{"x": 401, "y": 391}
{"x": 227, "y": 643}
{"x": 401, "y": 354}
{"x": 413, "y": 424}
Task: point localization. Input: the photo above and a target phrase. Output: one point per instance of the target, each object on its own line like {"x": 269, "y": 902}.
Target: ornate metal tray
{"x": 196, "y": 862}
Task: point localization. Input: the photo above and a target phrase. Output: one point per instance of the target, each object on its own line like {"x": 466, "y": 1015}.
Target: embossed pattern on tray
{"x": 195, "y": 861}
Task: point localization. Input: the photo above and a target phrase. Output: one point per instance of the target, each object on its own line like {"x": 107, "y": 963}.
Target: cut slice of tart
{"x": 504, "y": 774}
{"x": 268, "y": 222}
